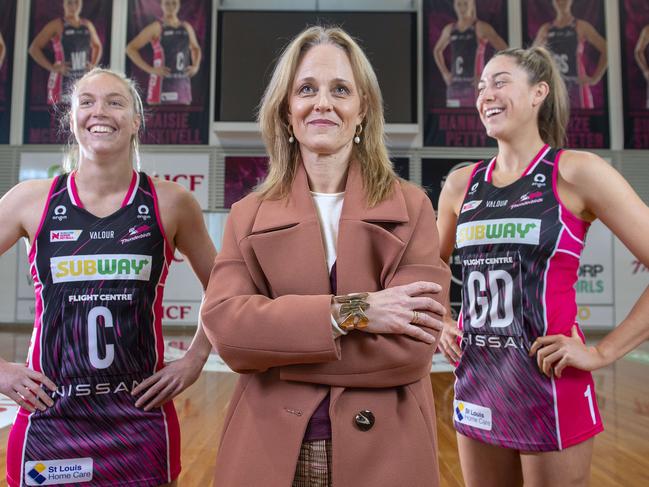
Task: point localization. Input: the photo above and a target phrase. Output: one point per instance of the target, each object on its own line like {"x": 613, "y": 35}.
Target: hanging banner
{"x": 168, "y": 55}
{"x": 7, "y": 31}
{"x": 459, "y": 38}
{"x": 634, "y": 28}
{"x": 66, "y": 40}
{"x": 574, "y": 32}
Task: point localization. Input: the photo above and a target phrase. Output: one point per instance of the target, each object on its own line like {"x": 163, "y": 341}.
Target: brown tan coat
{"x": 267, "y": 309}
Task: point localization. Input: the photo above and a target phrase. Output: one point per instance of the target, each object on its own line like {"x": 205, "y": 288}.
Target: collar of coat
{"x": 299, "y": 207}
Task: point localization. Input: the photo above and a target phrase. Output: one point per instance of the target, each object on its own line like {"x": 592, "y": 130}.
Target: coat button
{"x": 364, "y": 420}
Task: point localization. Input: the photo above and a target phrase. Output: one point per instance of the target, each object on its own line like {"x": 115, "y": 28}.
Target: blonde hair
{"x": 376, "y": 168}
{"x": 71, "y": 153}
{"x": 555, "y": 110}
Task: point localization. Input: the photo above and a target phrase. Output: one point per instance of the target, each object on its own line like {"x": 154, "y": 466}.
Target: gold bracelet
{"x": 352, "y": 311}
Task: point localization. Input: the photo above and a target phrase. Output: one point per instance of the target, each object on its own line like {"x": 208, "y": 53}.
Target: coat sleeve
{"x": 374, "y": 360}
{"x": 253, "y": 332}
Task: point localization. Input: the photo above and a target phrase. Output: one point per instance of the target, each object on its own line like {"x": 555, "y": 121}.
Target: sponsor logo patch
{"x": 505, "y": 230}
{"x": 470, "y": 205}
{"x": 496, "y": 203}
{"x": 64, "y": 235}
{"x": 102, "y": 234}
{"x": 472, "y": 415}
{"x": 60, "y": 213}
{"x": 143, "y": 212}
{"x": 136, "y": 233}
{"x": 57, "y": 472}
{"x": 100, "y": 267}
{"x": 528, "y": 198}
{"x": 539, "y": 180}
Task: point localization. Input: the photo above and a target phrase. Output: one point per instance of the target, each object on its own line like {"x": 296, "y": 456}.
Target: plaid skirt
{"x": 314, "y": 465}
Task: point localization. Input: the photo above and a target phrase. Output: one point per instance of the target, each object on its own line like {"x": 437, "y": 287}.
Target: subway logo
{"x": 100, "y": 267}
{"x": 505, "y": 230}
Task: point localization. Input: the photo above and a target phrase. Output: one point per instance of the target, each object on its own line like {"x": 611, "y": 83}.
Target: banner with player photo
{"x": 433, "y": 176}
{"x": 575, "y": 33}
{"x": 634, "y": 26}
{"x": 66, "y": 39}
{"x": 7, "y": 31}
{"x": 459, "y": 38}
{"x": 168, "y": 54}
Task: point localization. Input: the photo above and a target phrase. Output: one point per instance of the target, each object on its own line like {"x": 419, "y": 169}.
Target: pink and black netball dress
{"x": 97, "y": 334}
{"x": 467, "y": 60}
{"x": 72, "y": 48}
{"x": 520, "y": 249}
{"x": 568, "y": 51}
{"x": 171, "y": 50}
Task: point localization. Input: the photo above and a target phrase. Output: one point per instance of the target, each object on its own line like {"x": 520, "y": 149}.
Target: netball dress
{"x": 171, "y": 50}
{"x": 467, "y": 59}
{"x": 519, "y": 247}
{"x": 568, "y": 51}
{"x": 72, "y": 48}
{"x": 97, "y": 334}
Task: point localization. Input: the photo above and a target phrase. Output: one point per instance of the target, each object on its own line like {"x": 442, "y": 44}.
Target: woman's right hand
{"x": 405, "y": 310}
{"x": 448, "y": 341}
{"x": 23, "y": 385}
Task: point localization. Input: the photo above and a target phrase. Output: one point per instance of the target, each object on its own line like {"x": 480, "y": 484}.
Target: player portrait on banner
{"x": 168, "y": 42}
{"x": 634, "y": 26}
{"x": 467, "y": 39}
{"x": 76, "y": 48}
{"x": 67, "y": 38}
{"x": 460, "y": 37}
{"x": 574, "y": 32}
{"x": 7, "y": 30}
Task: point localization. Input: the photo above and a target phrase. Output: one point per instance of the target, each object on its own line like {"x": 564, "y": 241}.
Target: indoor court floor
{"x": 621, "y": 455}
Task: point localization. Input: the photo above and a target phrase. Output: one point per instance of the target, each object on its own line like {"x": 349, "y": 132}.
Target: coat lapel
{"x": 366, "y": 245}
{"x": 287, "y": 242}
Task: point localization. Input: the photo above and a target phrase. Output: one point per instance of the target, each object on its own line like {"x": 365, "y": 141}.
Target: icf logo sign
{"x": 190, "y": 181}
{"x": 188, "y": 170}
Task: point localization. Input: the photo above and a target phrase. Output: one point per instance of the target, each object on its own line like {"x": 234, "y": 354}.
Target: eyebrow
{"x": 495, "y": 75}
{"x": 311, "y": 78}
{"x": 108, "y": 95}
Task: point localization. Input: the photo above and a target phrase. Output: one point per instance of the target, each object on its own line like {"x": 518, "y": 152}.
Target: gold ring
{"x": 415, "y": 317}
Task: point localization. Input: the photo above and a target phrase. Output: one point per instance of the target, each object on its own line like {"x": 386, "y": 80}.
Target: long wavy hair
{"x": 376, "y": 168}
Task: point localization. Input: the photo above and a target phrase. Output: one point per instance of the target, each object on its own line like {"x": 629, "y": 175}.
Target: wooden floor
{"x": 621, "y": 455}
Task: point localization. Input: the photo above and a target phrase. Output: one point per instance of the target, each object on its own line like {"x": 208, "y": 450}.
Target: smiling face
{"x": 324, "y": 103}
{"x": 506, "y": 102}
{"x": 103, "y": 117}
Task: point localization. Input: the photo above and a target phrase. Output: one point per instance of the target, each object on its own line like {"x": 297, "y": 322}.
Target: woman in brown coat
{"x": 325, "y": 296}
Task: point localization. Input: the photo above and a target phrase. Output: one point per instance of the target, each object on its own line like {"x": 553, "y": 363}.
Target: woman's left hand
{"x": 556, "y": 352}
{"x": 168, "y": 382}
